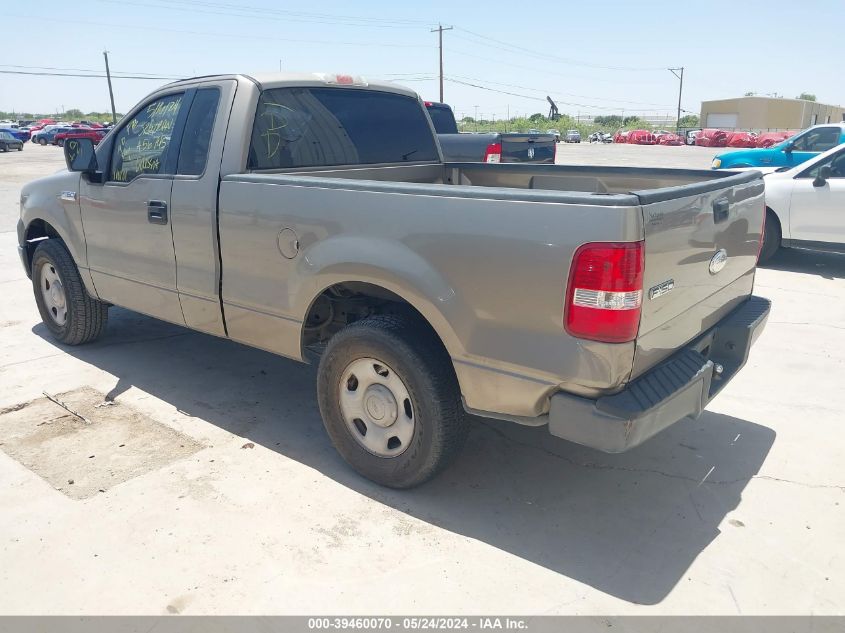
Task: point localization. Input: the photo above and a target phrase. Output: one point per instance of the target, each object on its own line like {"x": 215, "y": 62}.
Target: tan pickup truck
{"x": 313, "y": 216}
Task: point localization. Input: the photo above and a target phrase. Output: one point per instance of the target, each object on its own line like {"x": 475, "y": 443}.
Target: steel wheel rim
{"x": 376, "y": 407}
{"x": 53, "y": 293}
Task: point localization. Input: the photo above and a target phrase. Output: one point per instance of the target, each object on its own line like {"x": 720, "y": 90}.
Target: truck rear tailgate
{"x": 533, "y": 148}
{"x": 700, "y": 257}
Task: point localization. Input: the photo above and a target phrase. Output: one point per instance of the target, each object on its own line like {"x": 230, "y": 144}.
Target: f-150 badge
{"x": 664, "y": 287}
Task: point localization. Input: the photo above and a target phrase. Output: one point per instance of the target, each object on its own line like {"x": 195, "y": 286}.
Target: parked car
{"x": 712, "y": 138}
{"x": 96, "y": 135}
{"x": 21, "y": 135}
{"x": 555, "y": 133}
{"x": 572, "y": 136}
{"x": 805, "y": 205}
{"x": 600, "y": 137}
{"x": 492, "y": 147}
{"x": 641, "y": 137}
{"x": 741, "y": 139}
{"x": 793, "y": 151}
{"x": 9, "y": 142}
{"x": 47, "y": 136}
{"x": 621, "y": 136}
{"x": 691, "y": 136}
{"x": 425, "y": 289}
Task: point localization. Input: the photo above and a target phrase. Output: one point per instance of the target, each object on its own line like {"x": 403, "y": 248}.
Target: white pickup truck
{"x": 806, "y": 205}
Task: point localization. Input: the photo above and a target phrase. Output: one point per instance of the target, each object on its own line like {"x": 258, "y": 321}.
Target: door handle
{"x": 720, "y": 210}
{"x": 157, "y": 212}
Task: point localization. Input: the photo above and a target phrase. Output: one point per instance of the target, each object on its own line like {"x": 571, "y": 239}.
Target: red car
{"x": 742, "y": 139}
{"x": 620, "y": 137}
{"x": 712, "y": 138}
{"x": 641, "y": 137}
{"x": 96, "y": 135}
{"x": 668, "y": 138}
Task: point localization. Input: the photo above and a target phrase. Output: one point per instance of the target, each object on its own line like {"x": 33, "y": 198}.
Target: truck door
{"x": 126, "y": 217}
{"x": 817, "y": 208}
{"x": 193, "y": 209}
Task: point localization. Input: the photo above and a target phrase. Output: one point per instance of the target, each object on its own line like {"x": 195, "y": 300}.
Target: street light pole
{"x": 679, "y": 73}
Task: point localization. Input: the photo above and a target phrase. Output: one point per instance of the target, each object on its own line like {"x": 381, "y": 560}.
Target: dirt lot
{"x": 210, "y": 486}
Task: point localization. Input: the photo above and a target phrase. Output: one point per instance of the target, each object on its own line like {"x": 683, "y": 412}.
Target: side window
{"x": 818, "y": 140}
{"x": 835, "y": 162}
{"x": 140, "y": 147}
{"x": 193, "y": 153}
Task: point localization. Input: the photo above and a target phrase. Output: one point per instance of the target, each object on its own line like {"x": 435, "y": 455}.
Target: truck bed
{"x": 512, "y": 233}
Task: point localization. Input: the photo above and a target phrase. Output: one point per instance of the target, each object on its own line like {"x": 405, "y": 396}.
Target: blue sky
{"x": 591, "y": 57}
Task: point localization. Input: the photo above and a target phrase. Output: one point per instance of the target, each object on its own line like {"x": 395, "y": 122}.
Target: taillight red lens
{"x": 605, "y": 292}
{"x": 493, "y": 153}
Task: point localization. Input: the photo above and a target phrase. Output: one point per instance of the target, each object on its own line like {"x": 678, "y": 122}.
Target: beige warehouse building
{"x": 767, "y": 113}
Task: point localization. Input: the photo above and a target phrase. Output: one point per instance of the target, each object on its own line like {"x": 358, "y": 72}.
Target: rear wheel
{"x": 42, "y": 141}
{"x": 771, "y": 238}
{"x": 390, "y": 400}
{"x": 71, "y": 315}
{"x": 60, "y": 142}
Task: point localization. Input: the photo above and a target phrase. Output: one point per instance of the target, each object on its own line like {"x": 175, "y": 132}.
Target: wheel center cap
{"x": 57, "y": 294}
{"x": 380, "y": 405}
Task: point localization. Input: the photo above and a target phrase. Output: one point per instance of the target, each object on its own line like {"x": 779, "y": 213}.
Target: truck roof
{"x": 281, "y": 79}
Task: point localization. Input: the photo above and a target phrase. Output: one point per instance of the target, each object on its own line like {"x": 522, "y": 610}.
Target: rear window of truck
{"x": 443, "y": 119}
{"x": 313, "y": 127}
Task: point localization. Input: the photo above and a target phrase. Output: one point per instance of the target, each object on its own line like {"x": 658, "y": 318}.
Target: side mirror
{"x": 822, "y": 177}
{"x": 80, "y": 156}
{"x": 790, "y": 145}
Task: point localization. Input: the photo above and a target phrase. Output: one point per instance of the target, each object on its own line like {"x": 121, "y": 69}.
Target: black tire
{"x": 771, "y": 238}
{"x": 42, "y": 142}
{"x": 60, "y": 142}
{"x": 86, "y": 316}
{"x": 412, "y": 350}
{"x": 20, "y": 149}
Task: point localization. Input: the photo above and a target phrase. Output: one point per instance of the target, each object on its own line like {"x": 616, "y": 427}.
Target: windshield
{"x": 309, "y": 127}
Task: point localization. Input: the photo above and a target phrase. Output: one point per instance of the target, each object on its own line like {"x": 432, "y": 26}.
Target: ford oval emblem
{"x": 718, "y": 261}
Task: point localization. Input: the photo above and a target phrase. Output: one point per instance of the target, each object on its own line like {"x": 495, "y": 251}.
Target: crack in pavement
{"x": 654, "y": 471}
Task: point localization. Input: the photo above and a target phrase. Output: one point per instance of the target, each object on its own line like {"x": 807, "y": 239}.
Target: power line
{"x": 262, "y": 16}
{"x": 569, "y": 94}
{"x": 84, "y": 70}
{"x": 93, "y": 76}
{"x": 250, "y": 36}
{"x": 507, "y": 46}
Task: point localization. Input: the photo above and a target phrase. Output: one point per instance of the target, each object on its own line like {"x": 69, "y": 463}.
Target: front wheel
{"x": 60, "y": 142}
{"x": 42, "y": 142}
{"x": 72, "y": 316}
{"x": 390, "y": 400}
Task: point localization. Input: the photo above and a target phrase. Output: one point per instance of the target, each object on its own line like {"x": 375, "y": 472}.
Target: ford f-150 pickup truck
{"x": 492, "y": 147}
{"x": 313, "y": 216}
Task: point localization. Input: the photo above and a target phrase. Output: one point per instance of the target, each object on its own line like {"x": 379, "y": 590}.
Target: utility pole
{"x": 439, "y": 31}
{"x": 111, "y": 93}
{"x": 476, "y": 118}
{"x": 676, "y": 71}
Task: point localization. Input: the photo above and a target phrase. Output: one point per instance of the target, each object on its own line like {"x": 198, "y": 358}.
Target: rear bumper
{"x": 679, "y": 387}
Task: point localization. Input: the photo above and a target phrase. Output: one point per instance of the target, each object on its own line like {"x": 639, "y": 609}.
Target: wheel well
{"x": 344, "y": 303}
{"x": 36, "y": 231}
{"x": 771, "y": 215}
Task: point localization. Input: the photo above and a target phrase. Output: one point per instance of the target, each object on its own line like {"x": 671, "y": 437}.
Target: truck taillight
{"x": 605, "y": 292}
{"x": 493, "y": 153}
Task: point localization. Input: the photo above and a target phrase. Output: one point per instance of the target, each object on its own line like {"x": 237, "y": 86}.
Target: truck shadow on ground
{"x": 629, "y": 525}
{"x": 827, "y": 265}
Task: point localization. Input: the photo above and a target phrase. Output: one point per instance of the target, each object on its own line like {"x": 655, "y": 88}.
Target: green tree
{"x": 536, "y": 117}
{"x": 806, "y": 96}
{"x": 689, "y": 120}
{"x": 74, "y": 113}
{"x": 467, "y": 119}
